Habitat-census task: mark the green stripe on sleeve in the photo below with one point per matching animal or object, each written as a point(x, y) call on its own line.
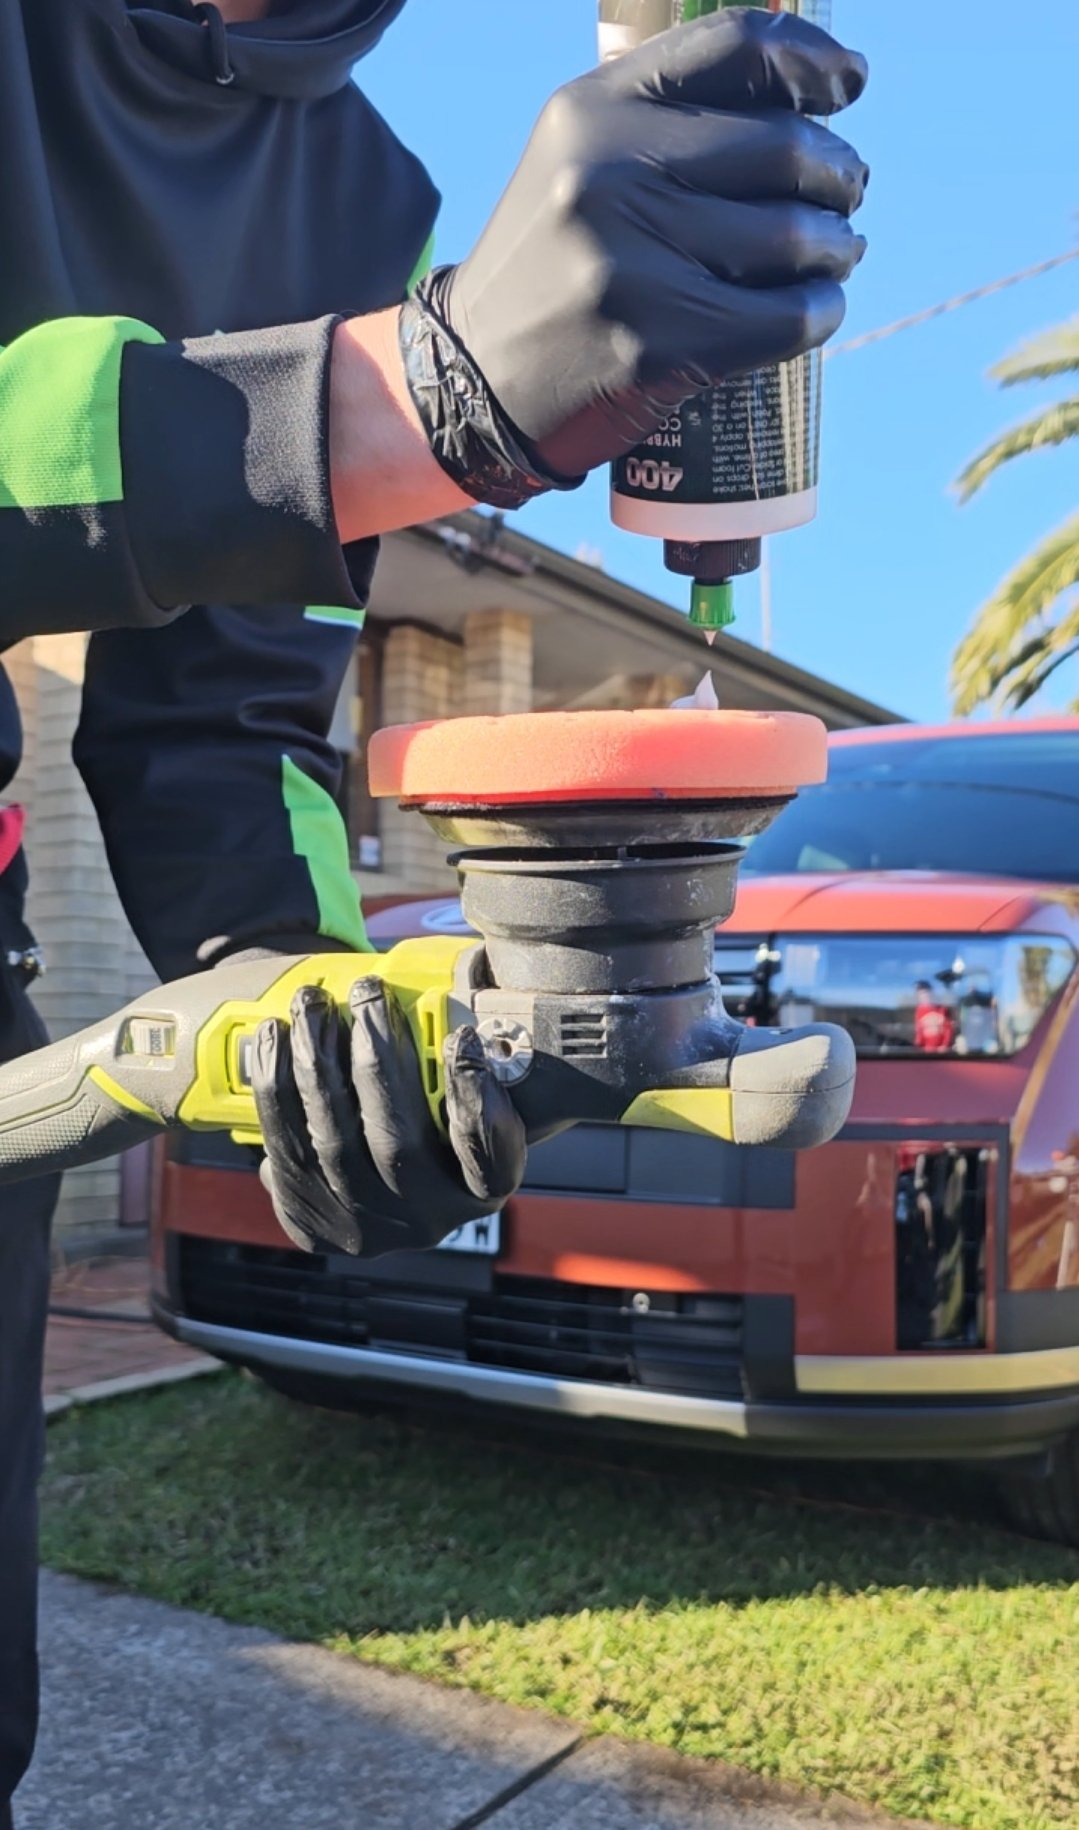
point(423, 265)
point(319, 837)
point(334, 613)
point(60, 413)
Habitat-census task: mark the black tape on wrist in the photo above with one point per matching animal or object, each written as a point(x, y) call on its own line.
point(470, 436)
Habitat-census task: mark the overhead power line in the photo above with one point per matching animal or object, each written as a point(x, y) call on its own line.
point(890, 330)
point(952, 304)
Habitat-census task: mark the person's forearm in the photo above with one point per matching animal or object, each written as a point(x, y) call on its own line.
point(248, 468)
point(383, 475)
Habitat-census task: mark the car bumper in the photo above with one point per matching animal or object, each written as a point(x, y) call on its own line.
point(977, 1428)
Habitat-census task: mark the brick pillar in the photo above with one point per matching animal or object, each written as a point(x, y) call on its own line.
point(420, 679)
point(497, 662)
point(662, 689)
point(635, 692)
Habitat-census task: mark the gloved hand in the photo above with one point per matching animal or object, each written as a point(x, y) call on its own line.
point(353, 1160)
point(675, 219)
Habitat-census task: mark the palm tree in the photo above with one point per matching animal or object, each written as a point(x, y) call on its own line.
point(1022, 633)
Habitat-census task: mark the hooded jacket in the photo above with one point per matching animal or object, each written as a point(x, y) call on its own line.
point(175, 191)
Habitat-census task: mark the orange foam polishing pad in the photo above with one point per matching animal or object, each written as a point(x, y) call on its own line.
point(588, 756)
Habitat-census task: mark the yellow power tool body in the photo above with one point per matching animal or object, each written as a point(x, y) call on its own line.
point(180, 1055)
point(586, 970)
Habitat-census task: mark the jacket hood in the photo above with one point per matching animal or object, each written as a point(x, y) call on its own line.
point(304, 50)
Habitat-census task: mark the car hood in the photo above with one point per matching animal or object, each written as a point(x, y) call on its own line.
point(914, 902)
point(413, 917)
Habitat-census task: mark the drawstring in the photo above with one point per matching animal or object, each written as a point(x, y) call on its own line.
point(223, 71)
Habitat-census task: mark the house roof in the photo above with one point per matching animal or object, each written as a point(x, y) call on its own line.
point(593, 635)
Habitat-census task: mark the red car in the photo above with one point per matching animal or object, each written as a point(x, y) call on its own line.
point(909, 1290)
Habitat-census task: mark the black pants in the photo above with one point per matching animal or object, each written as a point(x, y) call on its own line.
point(25, 1218)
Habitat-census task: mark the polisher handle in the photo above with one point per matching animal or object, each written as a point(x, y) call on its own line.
point(789, 1089)
point(180, 1055)
point(59, 1108)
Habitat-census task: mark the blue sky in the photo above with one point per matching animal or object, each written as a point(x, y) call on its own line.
point(968, 124)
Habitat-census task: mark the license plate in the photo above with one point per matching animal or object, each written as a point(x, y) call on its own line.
point(483, 1236)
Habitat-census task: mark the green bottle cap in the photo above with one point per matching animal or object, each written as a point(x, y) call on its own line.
point(711, 606)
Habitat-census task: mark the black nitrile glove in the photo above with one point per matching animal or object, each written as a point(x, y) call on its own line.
point(675, 219)
point(353, 1160)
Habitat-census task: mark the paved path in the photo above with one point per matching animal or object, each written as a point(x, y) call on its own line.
point(157, 1719)
point(114, 1347)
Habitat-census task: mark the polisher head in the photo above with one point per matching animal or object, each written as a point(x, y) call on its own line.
point(602, 778)
point(597, 852)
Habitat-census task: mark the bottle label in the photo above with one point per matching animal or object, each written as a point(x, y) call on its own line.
point(625, 23)
point(755, 437)
point(616, 39)
point(752, 438)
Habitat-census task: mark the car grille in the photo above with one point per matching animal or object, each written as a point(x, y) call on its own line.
point(654, 1339)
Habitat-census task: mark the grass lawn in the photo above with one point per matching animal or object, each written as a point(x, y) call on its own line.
point(894, 1650)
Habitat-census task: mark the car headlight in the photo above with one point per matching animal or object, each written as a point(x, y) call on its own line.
point(924, 994)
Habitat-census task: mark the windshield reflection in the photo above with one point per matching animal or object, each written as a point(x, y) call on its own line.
point(900, 994)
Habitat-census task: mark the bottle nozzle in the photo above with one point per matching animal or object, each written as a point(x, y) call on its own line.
point(711, 564)
point(711, 607)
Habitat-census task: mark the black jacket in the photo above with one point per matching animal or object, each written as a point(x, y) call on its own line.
point(171, 181)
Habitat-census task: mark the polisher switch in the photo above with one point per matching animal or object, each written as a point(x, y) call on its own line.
point(597, 853)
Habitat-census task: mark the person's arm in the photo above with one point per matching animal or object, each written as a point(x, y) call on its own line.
point(383, 472)
point(138, 476)
point(205, 751)
point(675, 219)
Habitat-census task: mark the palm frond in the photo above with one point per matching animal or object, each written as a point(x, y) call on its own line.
point(1057, 644)
point(1029, 689)
point(1051, 352)
point(1052, 426)
point(1001, 637)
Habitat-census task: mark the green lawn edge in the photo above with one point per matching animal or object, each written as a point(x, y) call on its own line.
point(834, 1629)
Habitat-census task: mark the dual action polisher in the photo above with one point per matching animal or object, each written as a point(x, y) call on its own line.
point(597, 853)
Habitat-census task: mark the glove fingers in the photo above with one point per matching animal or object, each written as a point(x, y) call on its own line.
point(487, 1135)
point(323, 1082)
point(289, 1165)
point(300, 1236)
point(746, 60)
point(755, 244)
point(760, 156)
point(277, 1102)
point(786, 321)
point(400, 1133)
point(718, 336)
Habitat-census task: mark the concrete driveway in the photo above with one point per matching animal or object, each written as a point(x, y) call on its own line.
point(157, 1719)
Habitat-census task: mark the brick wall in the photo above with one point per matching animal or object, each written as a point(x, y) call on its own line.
point(497, 663)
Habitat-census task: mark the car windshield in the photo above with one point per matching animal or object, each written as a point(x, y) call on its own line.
point(1000, 806)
